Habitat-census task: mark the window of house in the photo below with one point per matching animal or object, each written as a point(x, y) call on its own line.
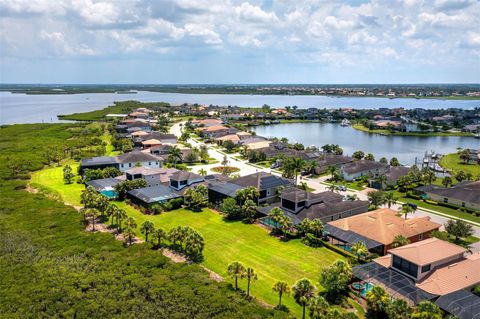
point(463, 204)
point(420, 237)
point(445, 200)
point(129, 164)
point(149, 163)
point(426, 268)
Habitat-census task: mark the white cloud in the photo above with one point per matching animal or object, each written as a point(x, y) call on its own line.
point(253, 13)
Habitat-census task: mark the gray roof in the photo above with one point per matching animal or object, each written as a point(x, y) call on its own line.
point(326, 209)
point(227, 189)
point(465, 192)
point(462, 304)
point(154, 194)
point(395, 172)
point(350, 237)
point(136, 156)
point(362, 166)
point(183, 175)
point(261, 181)
point(101, 184)
point(100, 160)
point(298, 195)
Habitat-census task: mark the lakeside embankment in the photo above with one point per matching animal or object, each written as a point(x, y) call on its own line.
point(362, 128)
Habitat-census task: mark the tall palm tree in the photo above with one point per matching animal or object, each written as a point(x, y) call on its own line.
point(399, 241)
point(303, 291)
point(332, 187)
point(175, 155)
point(121, 216)
point(130, 225)
point(447, 180)
point(297, 165)
point(146, 229)
point(276, 215)
point(250, 275)
point(236, 270)
point(94, 214)
point(318, 307)
point(332, 170)
point(281, 288)
point(158, 235)
point(407, 209)
point(359, 249)
point(377, 299)
point(311, 166)
point(202, 172)
point(111, 212)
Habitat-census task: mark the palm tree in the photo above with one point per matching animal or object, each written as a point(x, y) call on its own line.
point(111, 212)
point(158, 235)
point(332, 170)
point(282, 288)
point(359, 249)
point(121, 216)
point(447, 180)
point(276, 215)
point(390, 199)
point(427, 310)
point(236, 270)
point(311, 166)
point(202, 172)
point(318, 307)
point(303, 290)
point(399, 241)
point(175, 155)
point(407, 209)
point(94, 214)
point(332, 187)
point(147, 228)
point(382, 179)
point(286, 224)
point(130, 225)
point(377, 299)
point(250, 275)
point(317, 227)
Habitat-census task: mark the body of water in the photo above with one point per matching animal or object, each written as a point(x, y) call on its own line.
point(23, 108)
point(405, 148)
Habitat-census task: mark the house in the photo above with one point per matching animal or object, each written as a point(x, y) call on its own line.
point(151, 143)
point(324, 161)
point(153, 176)
point(217, 192)
point(267, 184)
point(234, 138)
point(105, 186)
point(326, 206)
point(206, 122)
point(182, 179)
point(378, 229)
point(162, 138)
point(356, 169)
point(99, 162)
point(392, 174)
point(465, 194)
point(431, 269)
point(137, 158)
point(149, 196)
point(472, 128)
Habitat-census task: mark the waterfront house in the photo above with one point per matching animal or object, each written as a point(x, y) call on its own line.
point(465, 194)
point(298, 204)
point(123, 162)
point(267, 184)
point(378, 229)
point(356, 169)
point(182, 179)
point(326, 160)
point(153, 176)
point(217, 192)
point(431, 269)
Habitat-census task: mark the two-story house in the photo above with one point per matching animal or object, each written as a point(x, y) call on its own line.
point(153, 176)
point(181, 179)
point(268, 185)
point(356, 169)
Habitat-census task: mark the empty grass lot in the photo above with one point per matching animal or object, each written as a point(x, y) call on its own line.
point(453, 163)
point(251, 245)
point(225, 242)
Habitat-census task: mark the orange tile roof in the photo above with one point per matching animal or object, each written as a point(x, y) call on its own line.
point(140, 133)
point(151, 142)
point(428, 251)
point(384, 224)
point(460, 275)
point(233, 137)
point(216, 128)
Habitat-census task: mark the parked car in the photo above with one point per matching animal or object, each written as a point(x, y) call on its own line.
point(342, 188)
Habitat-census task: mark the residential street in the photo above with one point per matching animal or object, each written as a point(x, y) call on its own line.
point(317, 184)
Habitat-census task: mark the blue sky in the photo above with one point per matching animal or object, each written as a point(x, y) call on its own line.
point(143, 41)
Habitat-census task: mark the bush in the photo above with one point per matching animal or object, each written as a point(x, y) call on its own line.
point(312, 241)
point(411, 195)
point(432, 202)
point(340, 251)
point(176, 203)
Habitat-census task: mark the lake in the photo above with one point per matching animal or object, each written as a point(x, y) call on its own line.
point(405, 148)
point(23, 108)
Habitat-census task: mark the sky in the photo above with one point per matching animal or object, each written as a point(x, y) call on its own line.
point(239, 42)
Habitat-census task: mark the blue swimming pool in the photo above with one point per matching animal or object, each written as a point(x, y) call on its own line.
point(110, 194)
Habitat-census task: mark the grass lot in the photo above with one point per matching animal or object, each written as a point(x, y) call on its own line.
point(252, 245)
point(452, 162)
point(226, 242)
point(50, 180)
point(362, 128)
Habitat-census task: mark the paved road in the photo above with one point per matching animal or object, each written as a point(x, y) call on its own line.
point(317, 184)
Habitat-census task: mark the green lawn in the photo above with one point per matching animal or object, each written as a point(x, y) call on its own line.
point(225, 242)
point(50, 180)
point(362, 128)
point(453, 163)
point(252, 245)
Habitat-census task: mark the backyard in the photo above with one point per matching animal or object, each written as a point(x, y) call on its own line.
point(452, 163)
point(225, 242)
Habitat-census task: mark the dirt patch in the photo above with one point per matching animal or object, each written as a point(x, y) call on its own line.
point(31, 189)
point(174, 256)
point(213, 275)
